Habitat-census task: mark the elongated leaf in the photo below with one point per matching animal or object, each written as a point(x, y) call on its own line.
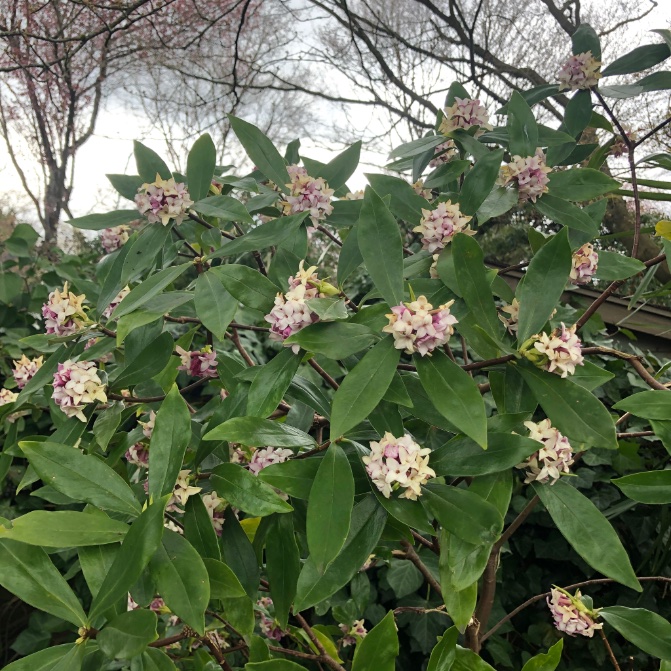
point(379, 649)
point(588, 531)
point(480, 181)
point(200, 166)
point(149, 163)
point(215, 307)
point(403, 200)
point(654, 404)
point(224, 585)
point(616, 266)
point(522, 127)
point(381, 247)
point(546, 661)
point(96, 562)
point(646, 630)
point(566, 214)
point(274, 665)
point(581, 184)
point(97, 222)
point(271, 383)
point(339, 169)
point(128, 634)
point(455, 395)
point(638, 59)
point(149, 362)
point(198, 529)
point(364, 386)
point(81, 477)
point(461, 604)
point(255, 432)
point(335, 340)
point(649, 487)
point(239, 555)
point(330, 507)
point(543, 284)
point(126, 185)
point(294, 477)
point(350, 255)
point(143, 251)
point(244, 490)
point(442, 656)
point(44, 660)
point(283, 565)
point(225, 208)
point(248, 286)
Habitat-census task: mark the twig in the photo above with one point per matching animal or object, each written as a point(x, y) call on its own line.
point(156, 399)
point(412, 556)
point(325, 376)
point(163, 642)
point(235, 338)
point(609, 650)
point(184, 240)
point(329, 661)
point(329, 235)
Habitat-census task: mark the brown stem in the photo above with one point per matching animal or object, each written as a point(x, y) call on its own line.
point(325, 376)
point(178, 233)
point(609, 650)
point(425, 542)
point(156, 399)
point(163, 642)
point(412, 556)
point(295, 653)
point(329, 235)
point(217, 653)
point(235, 338)
point(329, 661)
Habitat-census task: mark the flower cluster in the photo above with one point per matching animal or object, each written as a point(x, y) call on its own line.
point(267, 456)
point(163, 200)
point(25, 369)
point(443, 153)
point(138, 455)
point(439, 226)
point(76, 384)
point(115, 301)
point(571, 615)
point(181, 492)
point(114, 238)
point(352, 633)
point(148, 426)
point(584, 264)
point(529, 173)
point(215, 509)
point(7, 396)
point(398, 462)
point(512, 320)
point(157, 605)
point(418, 188)
point(199, 363)
point(559, 352)
point(354, 195)
point(465, 113)
point(64, 312)
point(579, 72)
point(417, 327)
point(551, 460)
point(307, 194)
point(269, 626)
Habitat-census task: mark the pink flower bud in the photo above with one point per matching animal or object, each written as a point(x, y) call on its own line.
point(440, 225)
point(570, 614)
point(163, 200)
point(465, 113)
point(584, 264)
point(579, 72)
point(76, 384)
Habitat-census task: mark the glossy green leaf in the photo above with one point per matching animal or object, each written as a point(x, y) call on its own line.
point(588, 531)
point(294, 477)
point(80, 476)
point(98, 222)
point(578, 114)
point(215, 307)
point(143, 251)
point(616, 266)
point(446, 173)
point(590, 376)
point(566, 214)
point(442, 656)
point(479, 181)
point(248, 286)
point(128, 634)
point(585, 39)
point(649, 487)
point(104, 427)
point(335, 340)
point(363, 388)
point(200, 165)
point(522, 127)
point(149, 163)
point(543, 284)
point(244, 490)
point(339, 169)
point(455, 395)
point(274, 665)
point(330, 507)
point(653, 404)
point(153, 659)
point(417, 147)
point(198, 529)
point(460, 563)
point(149, 362)
point(96, 561)
point(350, 255)
point(546, 661)
point(379, 649)
point(283, 565)
point(126, 185)
point(181, 579)
point(646, 630)
point(328, 309)
point(256, 432)
point(498, 202)
point(460, 605)
point(169, 440)
point(226, 208)
point(239, 555)
point(271, 383)
point(223, 582)
point(580, 184)
point(638, 59)
point(404, 201)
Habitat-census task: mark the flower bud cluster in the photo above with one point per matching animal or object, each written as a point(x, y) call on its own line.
point(199, 363)
point(215, 509)
point(418, 188)
point(529, 173)
point(181, 492)
point(114, 238)
point(354, 195)
point(559, 352)
point(512, 320)
point(266, 456)
point(584, 264)
point(417, 327)
point(307, 194)
point(439, 226)
point(443, 153)
point(64, 312)
point(551, 460)
point(352, 633)
point(107, 313)
point(25, 369)
point(465, 113)
point(163, 200)
point(7, 396)
point(269, 626)
point(138, 455)
point(579, 72)
point(148, 426)
point(76, 384)
point(571, 615)
point(395, 463)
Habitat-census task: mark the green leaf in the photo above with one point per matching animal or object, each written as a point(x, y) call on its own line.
point(587, 531)
point(149, 163)
point(403, 578)
point(566, 214)
point(143, 250)
point(328, 309)
point(239, 554)
point(11, 286)
point(543, 284)
point(463, 513)
point(443, 654)
point(616, 266)
point(105, 425)
point(585, 39)
point(498, 202)
point(226, 208)
point(649, 487)
point(274, 665)
point(522, 127)
point(248, 286)
point(200, 165)
point(479, 181)
point(654, 404)
point(181, 579)
point(335, 340)
point(294, 477)
point(363, 388)
point(198, 529)
point(330, 507)
point(96, 561)
point(142, 540)
point(474, 286)
point(638, 59)
point(97, 222)
point(261, 151)
point(44, 375)
point(379, 649)
point(126, 185)
point(44, 660)
point(64, 529)
point(381, 247)
point(223, 582)
point(244, 490)
point(546, 661)
point(460, 563)
point(128, 634)
point(446, 173)
point(153, 659)
point(590, 376)
point(283, 565)
point(404, 201)
point(460, 605)
point(271, 383)
point(339, 169)
point(169, 440)
point(455, 395)
point(255, 432)
point(577, 413)
point(581, 184)
point(350, 255)
point(578, 113)
point(149, 362)
point(215, 307)
point(81, 477)
point(646, 630)
point(27, 572)
point(417, 147)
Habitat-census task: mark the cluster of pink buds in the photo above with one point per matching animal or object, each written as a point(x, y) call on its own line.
point(465, 113)
point(157, 605)
point(76, 384)
point(530, 173)
point(352, 634)
point(7, 396)
point(443, 153)
point(559, 352)
point(199, 363)
point(64, 312)
point(584, 264)
point(107, 313)
point(163, 200)
point(418, 327)
point(579, 72)
point(551, 460)
point(440, 225)
point(148, 426)
point(269, 626)
point(571, 615)
point(354, 195)
point(215, 509)
point(512, 319)
point(395, 463)
point(114, 238)
point(418, 188)
point(307, 194)
point(268, 455)
point(25, 369)
point(181, 492)
point(138, 455)
point(620, 146)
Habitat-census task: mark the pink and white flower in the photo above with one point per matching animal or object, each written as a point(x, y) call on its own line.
point(560, 351)
point(530, 173)
point(199, 363)
point(138, 455)
point(579, 72)
point(307, 194)
point(163, 200)
point(584, 264)
point(107, 313)
point(465, 113)
point(513, 318)
point(352, 633)
point(148, 426)
point(114, 238)
point(266, 456)
point(571, 615)
point(181, 491)
point(7, 396)
point(443, 153)
point(440, 225)
point(215, 509)
point(25, 369)
point(64, 312)
point(395, 463)
point(354, 195)
point(269, 626)
point(551, 460)
point(76, 385)
point(418, 188)
point(417, 327)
